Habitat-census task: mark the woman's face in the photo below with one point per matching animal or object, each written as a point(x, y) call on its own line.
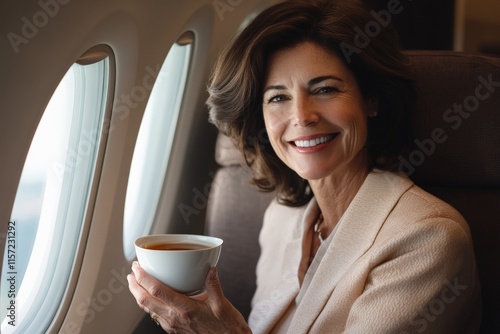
point(314, 112)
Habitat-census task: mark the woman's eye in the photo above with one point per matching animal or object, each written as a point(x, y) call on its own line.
point(276, 98)
point(326, 90)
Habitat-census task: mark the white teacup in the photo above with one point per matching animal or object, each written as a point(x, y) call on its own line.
point(181, 261)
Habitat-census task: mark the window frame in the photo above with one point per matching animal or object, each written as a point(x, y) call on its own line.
point(92, 55)
point(133, 194)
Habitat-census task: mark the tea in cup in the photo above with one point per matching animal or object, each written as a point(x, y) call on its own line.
point(181, 261)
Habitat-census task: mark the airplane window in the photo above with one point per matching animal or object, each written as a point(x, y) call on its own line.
point(52, 200)
point(154, 142)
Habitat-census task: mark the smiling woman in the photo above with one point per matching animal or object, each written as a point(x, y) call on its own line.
point(106, 135)
point(316, 122)
point(382, 76)
point(345, 247)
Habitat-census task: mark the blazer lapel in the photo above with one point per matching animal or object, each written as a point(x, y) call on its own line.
point(267, 313)
point(354, 236)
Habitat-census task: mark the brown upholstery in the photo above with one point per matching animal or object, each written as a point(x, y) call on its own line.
point(456, 157)
point(235, 213)
point(464, 169)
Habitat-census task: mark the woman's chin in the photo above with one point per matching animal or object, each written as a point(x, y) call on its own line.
point(312, 175)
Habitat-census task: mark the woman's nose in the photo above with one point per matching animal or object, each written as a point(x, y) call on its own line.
point(304, 113)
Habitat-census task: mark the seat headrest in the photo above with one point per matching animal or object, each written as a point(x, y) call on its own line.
point(457, 121)
point(226, 153)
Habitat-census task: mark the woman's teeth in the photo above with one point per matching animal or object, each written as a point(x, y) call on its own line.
point(312, 142)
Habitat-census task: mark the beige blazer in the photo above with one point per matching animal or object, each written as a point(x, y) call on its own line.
point(401, 261)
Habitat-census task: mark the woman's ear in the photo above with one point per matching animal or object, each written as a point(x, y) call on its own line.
point(372, 107)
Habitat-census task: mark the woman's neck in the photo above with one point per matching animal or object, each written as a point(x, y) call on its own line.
point(335, 193)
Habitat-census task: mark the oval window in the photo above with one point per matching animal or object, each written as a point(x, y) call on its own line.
point(53, 200)
point(154, 143)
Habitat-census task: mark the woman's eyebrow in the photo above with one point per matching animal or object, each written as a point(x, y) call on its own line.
point(311, 82)
point(317, 80)
point(277, 87)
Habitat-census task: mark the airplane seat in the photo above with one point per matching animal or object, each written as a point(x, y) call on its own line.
point(457, 152)
point(235, 213)
point(456, 157)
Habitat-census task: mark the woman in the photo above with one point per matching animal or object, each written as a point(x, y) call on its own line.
point(349, 245)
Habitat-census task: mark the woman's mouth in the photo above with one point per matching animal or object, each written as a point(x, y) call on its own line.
point(314, 142)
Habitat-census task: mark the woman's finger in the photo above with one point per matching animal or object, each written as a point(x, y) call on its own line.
point(214, 290)
point(176, 311)
point(162, 294)
point(155, 288)
point(156, 309)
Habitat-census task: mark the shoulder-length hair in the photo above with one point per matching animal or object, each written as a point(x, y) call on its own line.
point(369, 47)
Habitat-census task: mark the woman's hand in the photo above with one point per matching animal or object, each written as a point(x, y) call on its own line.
point(177, 313)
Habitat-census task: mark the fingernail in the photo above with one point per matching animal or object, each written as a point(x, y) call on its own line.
point(213, 273)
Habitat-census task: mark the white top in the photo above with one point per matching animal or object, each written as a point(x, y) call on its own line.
point(284, 323)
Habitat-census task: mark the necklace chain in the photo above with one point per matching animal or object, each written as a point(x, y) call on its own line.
point(317, 227)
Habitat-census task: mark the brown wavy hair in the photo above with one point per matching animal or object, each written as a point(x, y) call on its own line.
point(381, 70)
